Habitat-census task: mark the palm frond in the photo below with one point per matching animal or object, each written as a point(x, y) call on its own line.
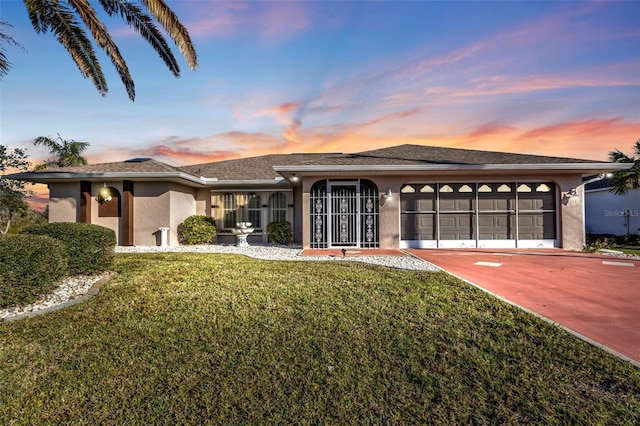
point(66, 152)
point(48, 143)
point(618, 156)
point(143, 24)
point(5, 65)
point(55, 16)
point(170, 22)
point(104, 40)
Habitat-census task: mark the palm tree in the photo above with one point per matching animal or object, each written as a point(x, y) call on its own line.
point(626, 180)
point(69, 20)
point(66, 153)
point(5, 65)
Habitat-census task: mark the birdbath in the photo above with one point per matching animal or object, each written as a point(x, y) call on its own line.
point(242, 231)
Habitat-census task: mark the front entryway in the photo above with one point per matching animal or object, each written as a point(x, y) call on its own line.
point(344, 214)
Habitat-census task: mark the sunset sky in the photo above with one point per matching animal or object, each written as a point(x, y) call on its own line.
point(550, 78)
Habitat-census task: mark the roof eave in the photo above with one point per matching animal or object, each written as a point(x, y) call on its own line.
point(567, 167)
point(66, 176)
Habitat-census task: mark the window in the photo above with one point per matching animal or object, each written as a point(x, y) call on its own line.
point(229, 206)
point(278, 207)
point(254, 210)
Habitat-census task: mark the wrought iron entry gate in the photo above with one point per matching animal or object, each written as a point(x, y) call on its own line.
point(344, 214)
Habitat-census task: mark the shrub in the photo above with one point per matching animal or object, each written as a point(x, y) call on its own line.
point(197, 229)
point(91, 247)
point(30, 266)
point(280, 233)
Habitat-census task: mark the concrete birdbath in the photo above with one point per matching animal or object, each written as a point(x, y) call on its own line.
point(242, 231)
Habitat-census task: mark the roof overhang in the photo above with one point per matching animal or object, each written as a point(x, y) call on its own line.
point(177, 177)
point(55, 177)
point(584, 169)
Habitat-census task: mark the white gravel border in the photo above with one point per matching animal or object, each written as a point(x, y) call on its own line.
point(278, 252)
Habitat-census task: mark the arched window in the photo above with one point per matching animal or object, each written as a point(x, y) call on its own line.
point(229, 206)
point(254, 210)
point(278, 207)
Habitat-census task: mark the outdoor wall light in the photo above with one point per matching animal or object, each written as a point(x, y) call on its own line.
point(571, 193)
point(104, 194)
point(388, 194)
point(294, 178)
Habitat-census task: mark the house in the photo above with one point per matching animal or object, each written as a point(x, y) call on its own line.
point(396, 197)
point(609, 213)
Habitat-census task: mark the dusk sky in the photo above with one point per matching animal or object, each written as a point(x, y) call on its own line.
point(550, 78)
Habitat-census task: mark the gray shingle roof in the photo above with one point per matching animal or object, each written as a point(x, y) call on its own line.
point(251, 168)
point(422, 155)
point(149, 166)
point(262, 167)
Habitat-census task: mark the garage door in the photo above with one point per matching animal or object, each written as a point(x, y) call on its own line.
point(478, 214)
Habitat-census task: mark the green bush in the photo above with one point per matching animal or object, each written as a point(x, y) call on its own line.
point(30, 266)
point(91, 247)
point(280, 233)
point(197, 229)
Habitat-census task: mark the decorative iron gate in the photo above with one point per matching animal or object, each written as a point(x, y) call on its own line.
point(344, 214)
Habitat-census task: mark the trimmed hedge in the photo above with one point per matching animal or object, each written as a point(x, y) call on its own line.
point(280, 233)
point(197, 229)
point(30, 266)
point(91, 247)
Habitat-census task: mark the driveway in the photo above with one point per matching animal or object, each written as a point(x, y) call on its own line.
point(594, 296)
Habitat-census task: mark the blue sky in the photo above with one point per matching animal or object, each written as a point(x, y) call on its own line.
point(550, 78)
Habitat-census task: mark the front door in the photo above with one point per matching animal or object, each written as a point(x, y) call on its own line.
point(344, 214)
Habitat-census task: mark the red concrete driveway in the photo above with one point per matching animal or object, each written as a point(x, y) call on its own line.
point(597, 297)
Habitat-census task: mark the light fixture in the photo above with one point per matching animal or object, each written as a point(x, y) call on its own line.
point(571, 193)
point(294, 178)
point(104, 194)
point(388, 194)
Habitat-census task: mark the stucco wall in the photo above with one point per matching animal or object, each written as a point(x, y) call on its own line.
point(571, 232)
point(607, 213)
point(64, 200)
point(151, 210)
point(183, 205)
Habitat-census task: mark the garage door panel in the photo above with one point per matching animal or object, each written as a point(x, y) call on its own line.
point(416, 226)
point(496, 226)
point(456, 226)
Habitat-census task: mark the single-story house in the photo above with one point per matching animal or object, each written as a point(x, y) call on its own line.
point(609, 213)
point(396, 197)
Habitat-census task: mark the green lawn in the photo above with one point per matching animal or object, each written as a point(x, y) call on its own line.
point(628, 249)
point(185, 338)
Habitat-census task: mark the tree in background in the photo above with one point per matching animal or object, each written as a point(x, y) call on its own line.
point(70, 20)
point(12, 192)
point(626, 180)
point(65, 153)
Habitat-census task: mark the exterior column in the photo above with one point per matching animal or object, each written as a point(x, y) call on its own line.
point(127, 213)
point(85, 202)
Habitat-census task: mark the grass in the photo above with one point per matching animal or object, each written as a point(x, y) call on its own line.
point(629, 244)
point(628, 249)
point(189, 338)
